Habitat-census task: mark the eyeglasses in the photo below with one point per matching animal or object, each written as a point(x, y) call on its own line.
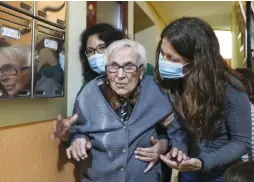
point(12, 70)
point(100, 49)
point(130, 68)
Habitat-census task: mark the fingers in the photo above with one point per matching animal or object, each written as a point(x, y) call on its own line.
point(180, 156)
point(74, 151)
point(73, 119)
point(146, 154)
point(68, 152)
point(78, 149)
point(83, 149)
point(169, 163)
point(149, 167)
point(89, 145)
point(168, 155)
point(185, 157)
point(174, 152)
point(146, 159)
point(62, 125)
point(146, 150)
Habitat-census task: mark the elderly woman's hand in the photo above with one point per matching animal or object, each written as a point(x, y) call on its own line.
point(61, 127)
point(78, 149)
point(152, 154)
point(186, 165)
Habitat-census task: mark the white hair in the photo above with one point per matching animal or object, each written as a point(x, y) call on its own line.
point(120, 44)
point(20, 53)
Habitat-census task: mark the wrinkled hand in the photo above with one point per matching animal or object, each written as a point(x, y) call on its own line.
point(185, 165)
point(177, 155)
point(151, 154)
point(78, 149)
point(61, 126)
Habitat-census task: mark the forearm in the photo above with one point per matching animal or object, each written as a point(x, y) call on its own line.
point(178, 136)
point(222, 157)
point(237, 120)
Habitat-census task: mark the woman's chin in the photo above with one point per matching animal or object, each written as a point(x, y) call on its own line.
point(122, 93)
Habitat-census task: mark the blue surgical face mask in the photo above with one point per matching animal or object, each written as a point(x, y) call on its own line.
point(62, 60)
point(97, 63)
point(169, 69)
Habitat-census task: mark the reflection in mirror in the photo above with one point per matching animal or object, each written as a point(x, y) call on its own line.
point(49, 61)
point(15, 69)
point(15, 54)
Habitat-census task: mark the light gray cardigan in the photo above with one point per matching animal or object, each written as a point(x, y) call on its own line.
point(112, 157)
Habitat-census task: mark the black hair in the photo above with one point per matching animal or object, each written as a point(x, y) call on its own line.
point(242, 172)
point(106, 33)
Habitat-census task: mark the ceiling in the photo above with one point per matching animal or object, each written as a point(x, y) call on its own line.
point(216, 13)
point(141, 20)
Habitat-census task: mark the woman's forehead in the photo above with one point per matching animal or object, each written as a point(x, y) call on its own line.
point(124, 55)
point(8, 59)
point(94, 41)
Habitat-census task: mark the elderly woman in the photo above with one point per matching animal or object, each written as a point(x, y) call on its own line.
point(15, 69)
point(118, 113)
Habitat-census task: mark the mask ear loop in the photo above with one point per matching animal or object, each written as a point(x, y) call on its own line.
point(189, 70)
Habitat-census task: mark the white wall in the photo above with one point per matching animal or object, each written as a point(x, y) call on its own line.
point(147, 38)
point(76, 24)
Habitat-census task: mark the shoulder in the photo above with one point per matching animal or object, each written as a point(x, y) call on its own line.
point(234, 87)
point(89, 87)
point(151, 87)
point(235, 93)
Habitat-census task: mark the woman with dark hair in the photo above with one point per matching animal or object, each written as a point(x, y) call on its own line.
point(94, 42)
point(207, 96)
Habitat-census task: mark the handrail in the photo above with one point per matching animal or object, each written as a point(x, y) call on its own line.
point(242, 11)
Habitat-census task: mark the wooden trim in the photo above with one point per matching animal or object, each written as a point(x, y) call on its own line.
point(91, 15)
point(124, 16)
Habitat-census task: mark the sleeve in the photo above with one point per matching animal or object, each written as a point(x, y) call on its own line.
point(77, 130)
point(68, 143)
point(237, 115)
point(177, 135)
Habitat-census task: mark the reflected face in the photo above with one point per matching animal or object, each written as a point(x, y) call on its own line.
point(121, 82)
point(12, 76)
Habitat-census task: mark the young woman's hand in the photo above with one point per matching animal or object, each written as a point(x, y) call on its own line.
point(178, 160)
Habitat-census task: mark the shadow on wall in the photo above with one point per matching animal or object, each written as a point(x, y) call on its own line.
point(63, 160)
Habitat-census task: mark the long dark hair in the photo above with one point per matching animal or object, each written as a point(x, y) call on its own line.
point(247, 78)
point(200, 99)
point(106, 33)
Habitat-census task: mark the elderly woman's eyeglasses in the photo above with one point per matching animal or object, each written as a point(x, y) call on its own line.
point(130, 68)
point(12, 70)
point(100, 49)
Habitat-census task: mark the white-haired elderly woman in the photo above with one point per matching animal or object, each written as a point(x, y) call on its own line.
point(15, 69)
point(118, 114)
